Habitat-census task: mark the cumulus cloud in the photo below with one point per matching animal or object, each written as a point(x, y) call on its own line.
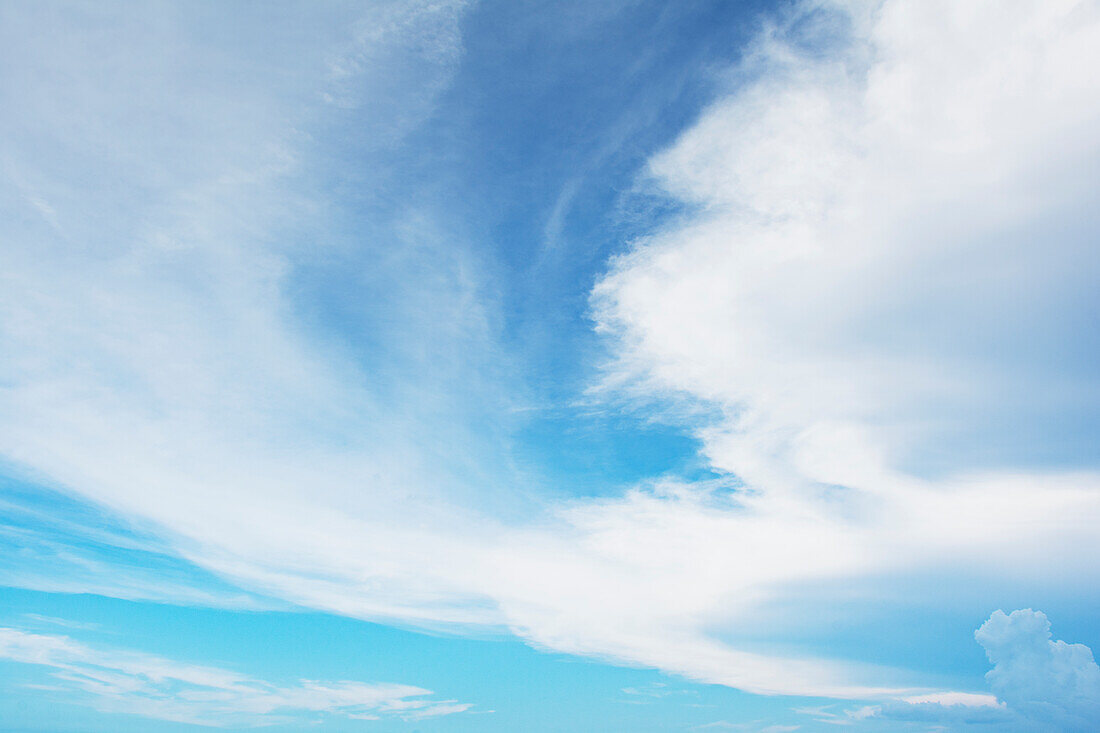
point(1050, 683)
point(884, 250)
point(1039, 684)
point(124, 681)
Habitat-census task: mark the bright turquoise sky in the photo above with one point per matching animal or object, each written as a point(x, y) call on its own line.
point(571, 366)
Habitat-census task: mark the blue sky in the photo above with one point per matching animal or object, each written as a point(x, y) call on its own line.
point(487, 366)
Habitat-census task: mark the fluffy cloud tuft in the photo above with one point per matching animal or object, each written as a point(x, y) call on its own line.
point(1051, 683)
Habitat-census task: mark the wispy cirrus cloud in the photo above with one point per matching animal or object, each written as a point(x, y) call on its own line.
point(123, 681)
point(748, 727)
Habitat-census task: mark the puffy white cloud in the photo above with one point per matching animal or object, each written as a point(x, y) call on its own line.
point(888, 248)
point(1050, 683)
point(1038, 684)
point(119, 680)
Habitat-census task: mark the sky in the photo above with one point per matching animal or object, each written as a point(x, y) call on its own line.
point(496, 365)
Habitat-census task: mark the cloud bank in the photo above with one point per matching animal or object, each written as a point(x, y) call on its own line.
point(888, 245)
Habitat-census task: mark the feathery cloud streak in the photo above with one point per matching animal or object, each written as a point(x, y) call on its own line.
point(123, 681)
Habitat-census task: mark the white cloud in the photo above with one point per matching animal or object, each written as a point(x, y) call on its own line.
point(36, 618)
point(1039, 684)
point(118, 680)
point(885, 261)
point(878, 247)
point(965, 699)
point(961, 708)
point(955, 716)
point(756, 727)
point(152, 361)
point(860, 276)
point(1050, 683)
